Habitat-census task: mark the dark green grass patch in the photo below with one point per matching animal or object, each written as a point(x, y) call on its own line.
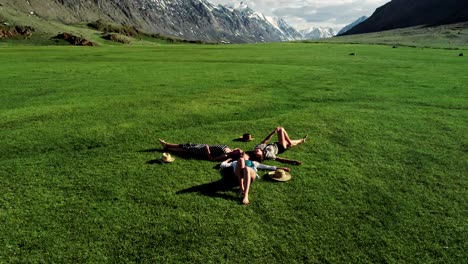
point(383, 178)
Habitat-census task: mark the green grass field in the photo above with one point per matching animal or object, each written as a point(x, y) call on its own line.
point(383, 180)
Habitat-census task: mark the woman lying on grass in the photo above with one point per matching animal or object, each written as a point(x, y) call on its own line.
point(203, 151)
point(269, 151)
point(246, 171)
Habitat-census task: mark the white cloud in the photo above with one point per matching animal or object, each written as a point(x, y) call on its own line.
point(307, 13)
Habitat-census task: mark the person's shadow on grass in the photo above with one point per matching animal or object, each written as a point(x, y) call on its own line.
point(222, 188)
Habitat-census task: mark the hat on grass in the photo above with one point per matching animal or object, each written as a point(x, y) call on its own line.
point(246, 137)
point(166, 157)
point(280, 175)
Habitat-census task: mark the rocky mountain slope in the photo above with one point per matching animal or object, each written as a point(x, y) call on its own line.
point(185, 19)
point(407, 13)
point(351, 25)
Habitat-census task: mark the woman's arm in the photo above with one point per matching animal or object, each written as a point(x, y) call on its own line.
point(289, 161)
point(270, 168)
point(269, 137)
point(219, 158)
point(261, 166)
point(226, 164)
point(208, 152)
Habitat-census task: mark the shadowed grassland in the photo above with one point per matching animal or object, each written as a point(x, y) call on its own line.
point(383, 178)
point(451, 36)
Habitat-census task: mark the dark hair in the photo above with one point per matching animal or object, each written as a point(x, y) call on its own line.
point(253, 157)
point(234, 155)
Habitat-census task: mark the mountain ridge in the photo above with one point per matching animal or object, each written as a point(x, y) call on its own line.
point(408, 13)
point(352, 25)
point(187, 19)
point(314, 33)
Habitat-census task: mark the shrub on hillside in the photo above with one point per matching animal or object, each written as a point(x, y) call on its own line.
point(107, 27)
point(116, 38)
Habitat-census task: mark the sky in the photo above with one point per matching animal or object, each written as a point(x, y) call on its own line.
point(303, 14)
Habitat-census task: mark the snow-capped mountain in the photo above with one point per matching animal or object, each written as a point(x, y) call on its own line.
point(318, 33)
point(186, 19)
point(237, 6)
point(351, 25)
point(288, 31)
point(283, 29)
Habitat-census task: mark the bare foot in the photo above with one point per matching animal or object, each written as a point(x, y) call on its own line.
point(304, 138)
point(246, 200)
point(163, 143)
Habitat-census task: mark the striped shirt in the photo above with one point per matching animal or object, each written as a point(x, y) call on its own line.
point(199, 150)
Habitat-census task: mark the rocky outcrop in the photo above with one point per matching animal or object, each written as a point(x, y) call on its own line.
point(7, 31)
point(74, 40)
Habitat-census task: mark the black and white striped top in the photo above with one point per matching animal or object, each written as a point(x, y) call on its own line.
point(199, 150)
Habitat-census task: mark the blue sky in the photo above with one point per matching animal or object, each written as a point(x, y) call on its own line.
point(308, 13)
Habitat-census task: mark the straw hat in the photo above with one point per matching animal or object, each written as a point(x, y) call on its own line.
point(246, 137)
point(280, 175)
point(167, 158)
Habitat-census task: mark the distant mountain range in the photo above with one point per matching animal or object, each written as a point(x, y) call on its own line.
point(318, 33)
point(185, 19)
point(202, 20)
point(408, 13)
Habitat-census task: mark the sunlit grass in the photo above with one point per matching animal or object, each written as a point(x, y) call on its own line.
point(383, 176)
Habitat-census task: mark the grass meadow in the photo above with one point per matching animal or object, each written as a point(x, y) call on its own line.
point(383, 179)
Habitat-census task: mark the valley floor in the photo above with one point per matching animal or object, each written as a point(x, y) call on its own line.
point(383, 177)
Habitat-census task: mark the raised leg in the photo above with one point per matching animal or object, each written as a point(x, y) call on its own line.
point(285, 140)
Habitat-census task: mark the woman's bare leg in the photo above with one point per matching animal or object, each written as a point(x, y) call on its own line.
point(249, 178)
point(171, 147)
point(285, 140)
point(241, 172)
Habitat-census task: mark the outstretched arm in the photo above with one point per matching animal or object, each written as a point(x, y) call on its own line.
point(226, 164)
point(269, 136)
point(233, 154)
point(219, 158)
point(288, 161)
point(261, 166)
